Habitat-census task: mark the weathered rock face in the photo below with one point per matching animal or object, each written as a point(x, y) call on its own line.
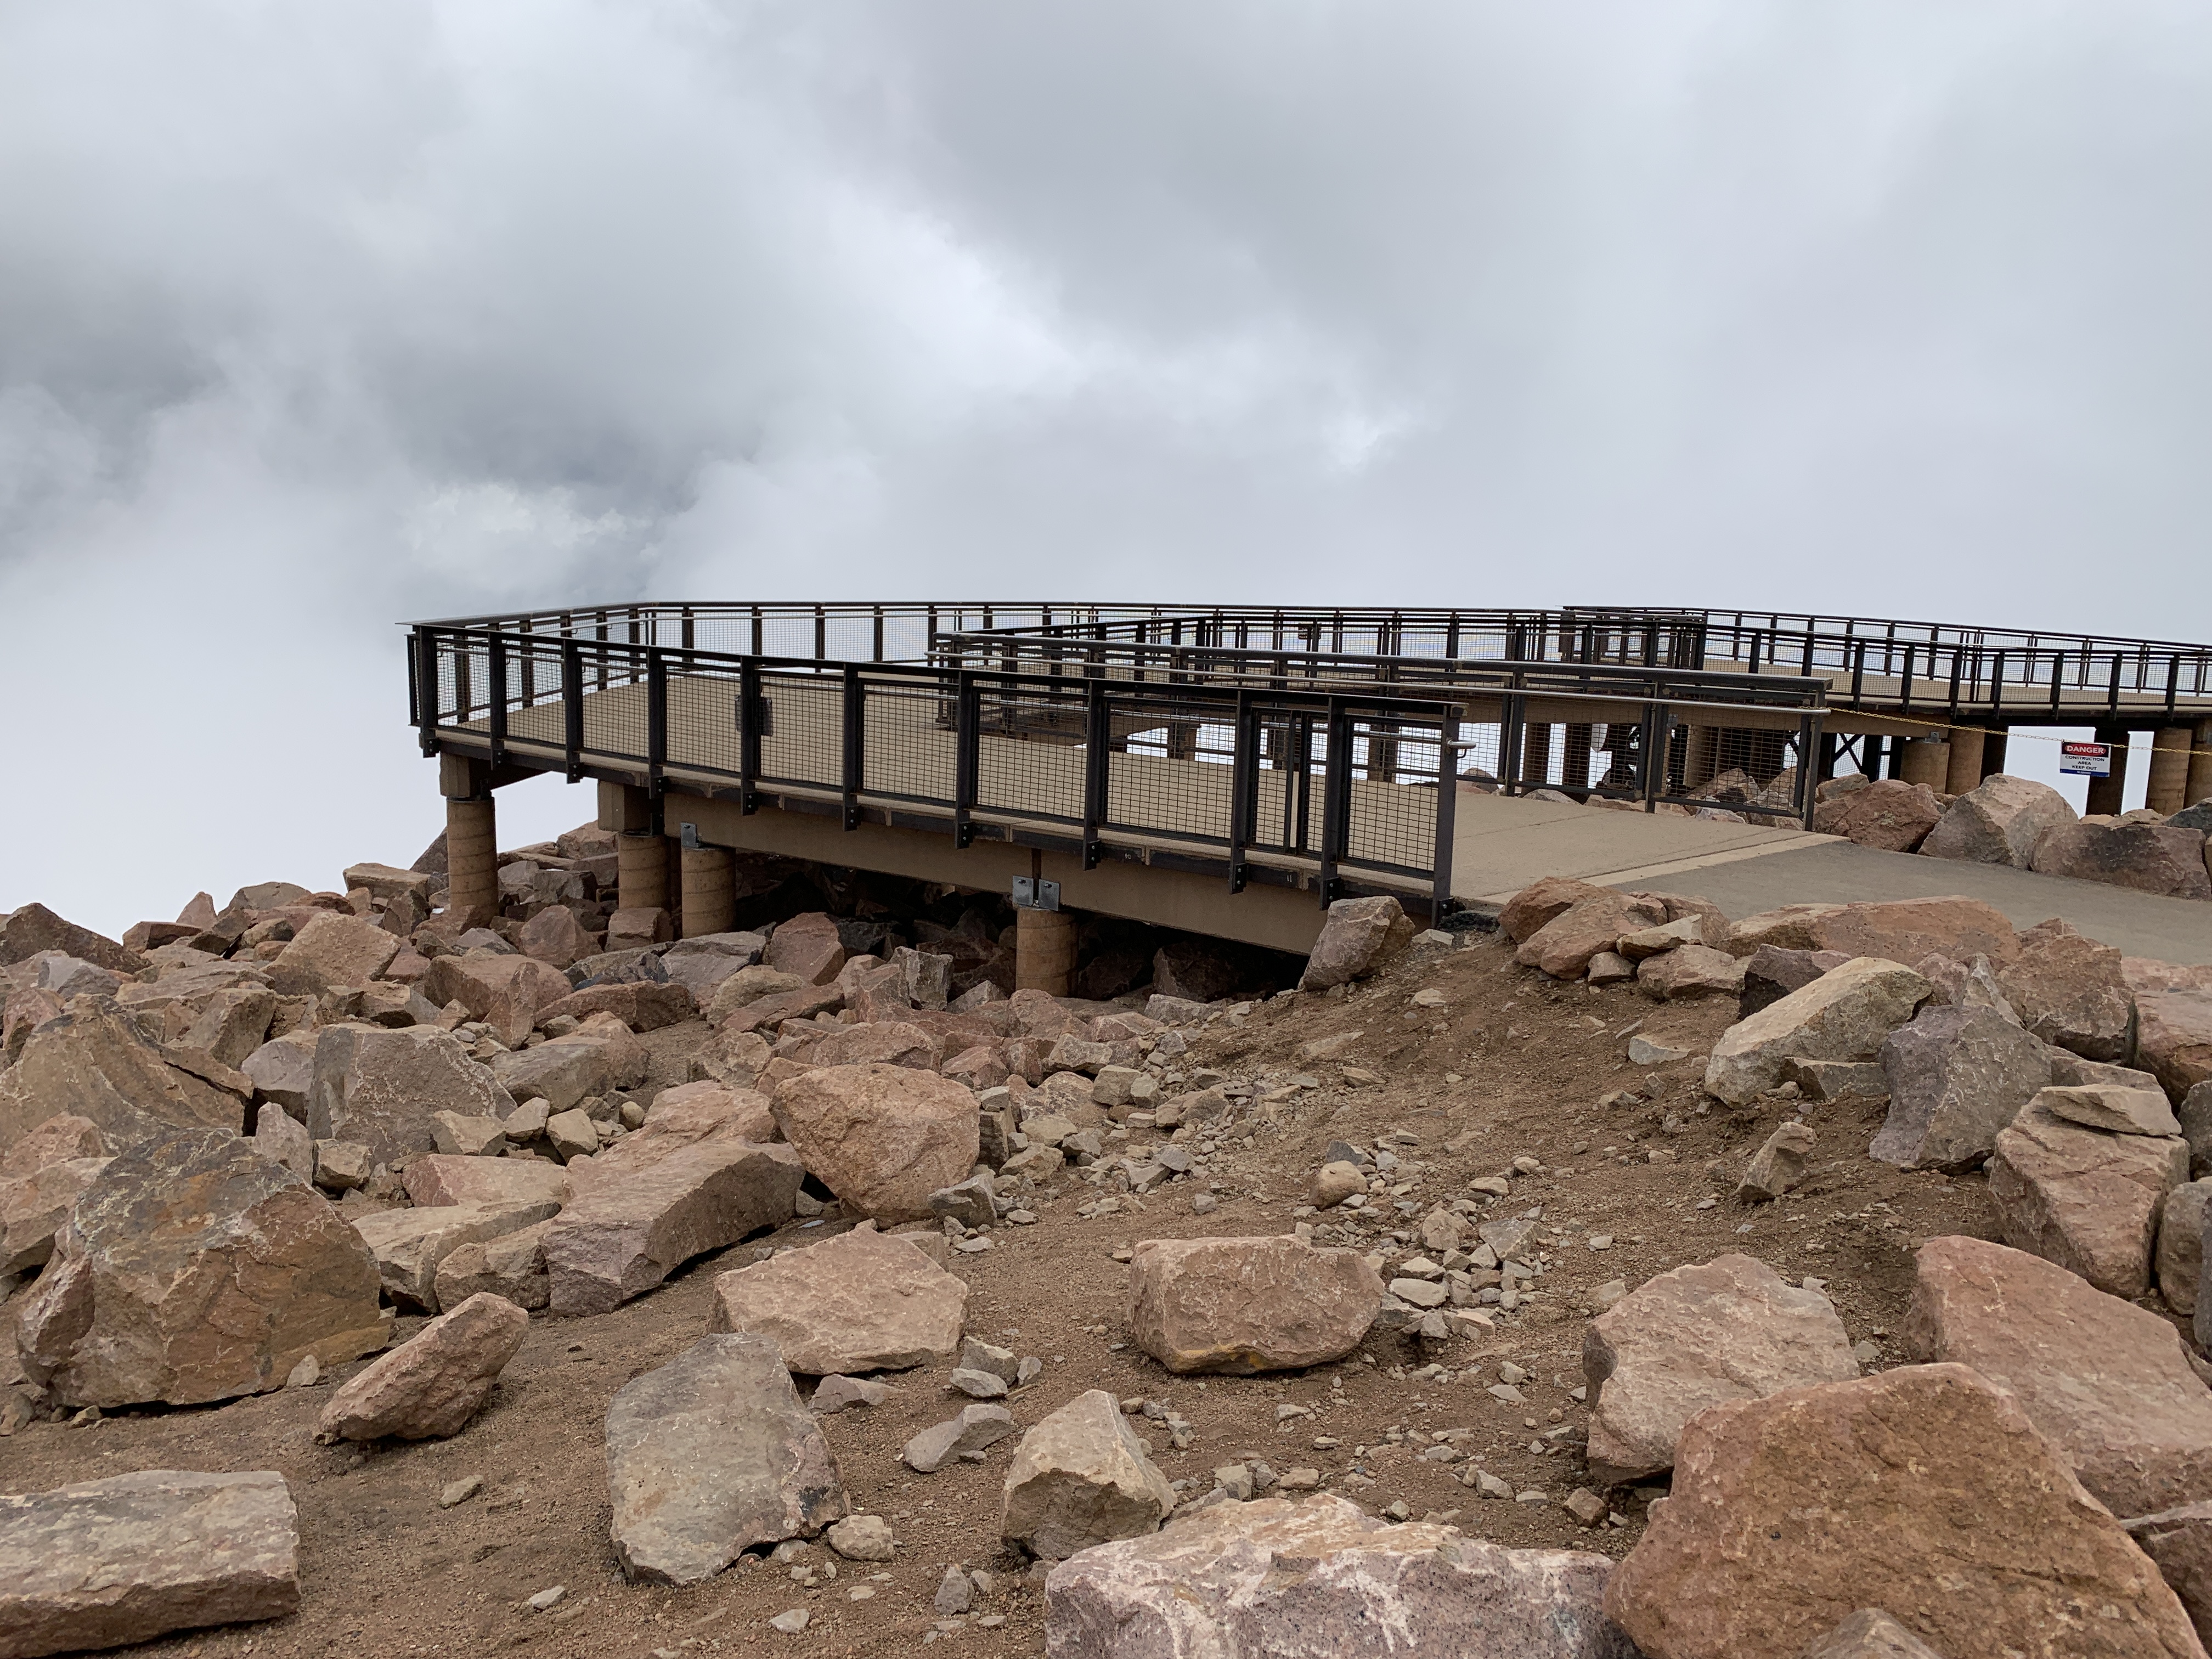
point(1540, 901)
point(1787, 1515)
point(1871, 1633)
point(641, 1004)
point(1778, 1166)
point(1957, 1076)
point(1788, 927)
point(2173, 1038)
point(976, 1427)
point(628, 1230)
point(1689, 972)
point(746, 986)
point(1246, 1305)
point(2069, 991)
point(1998, 823)
point(1889, 813)
point(431, 1385)
point(511, 1266)
point(26, 933)
point(1079, 1479)
point(806, 946)
point(330, 951)
point(886, 1042)
point(1357, 936)
point(1905, 930)
point(2180, 1541)
point(55, 1141)
point(122, 1560)
point(1564, 947)
point(2108, 1384)
point(378, 1088)
point(2084, 1199)
point(96, 1062)
point(2179, 1262)
point(860, 1302)
point(2112, 1107)
point(283, 1070)
point(410, 1245)
point(2151, 858)
point(712, 1454)
point(1843, 1015)
point(555, 937)
point(192, 1271)
point(33, 1206)
point(882, 1138)
point(1321, 1579)
point(1771, 972)
point(442, 1178)
point(231, 1024)
point(1728, 1329)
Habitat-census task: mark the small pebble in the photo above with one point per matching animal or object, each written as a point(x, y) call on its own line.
point(790, 1623)
point(460, 1491)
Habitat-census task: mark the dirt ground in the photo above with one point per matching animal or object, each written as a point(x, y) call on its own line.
point(1512, 1066)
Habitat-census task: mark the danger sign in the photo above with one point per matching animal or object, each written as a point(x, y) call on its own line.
point(2086, 760)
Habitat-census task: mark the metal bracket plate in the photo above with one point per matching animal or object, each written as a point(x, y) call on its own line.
point(1035, 893)
point(691, 835)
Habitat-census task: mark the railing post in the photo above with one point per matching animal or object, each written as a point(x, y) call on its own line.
point(656, 720)
point(967, 748)
point(422, 686)
point(1336, 798)
point(1658, 724)
point(1244, 785)
point(572, 706)
point(749, 736)
point(1510, 732)
point(1446, 810)
point(495, 676)
point(1097, 737)
point(1809, 770)
point(855, 707)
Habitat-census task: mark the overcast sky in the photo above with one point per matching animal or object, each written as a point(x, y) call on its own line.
point(315, 318)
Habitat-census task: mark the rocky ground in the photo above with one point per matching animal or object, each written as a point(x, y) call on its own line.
point(1514, 1149)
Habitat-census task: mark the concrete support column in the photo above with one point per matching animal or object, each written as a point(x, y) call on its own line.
point(1044, 950)
point(473, 859)
point(1993, 752)
point(2200, 765)
point(1701, 744)
point(642, 871)
point(2106, 793)
point(1577, 771)
point(710, 902)
point(1965, 765)
point(1927, 760)
point(2167, 788)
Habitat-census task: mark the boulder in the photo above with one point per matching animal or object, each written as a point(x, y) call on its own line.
point(1200, 969)
point(1889, 814)
point(633, 929)
point(555, 937)
point(2084, 1199)
point(333, 949)
point(33, 1206)
point(233, 1024)
point(341, 1165)
point(55, 1141)
point(1871, 1633)
point(1565, 946)
point(2177, 1263)
point(1788, 927)
point(467, 1137)
point(882, 1138)
point(641, 1004)
point(627, 1230)
point(710, 1454)
point(2108, 1384)
point(1322, 1579)
point(1726, 1330)
point(2180, 1541)
point(1778, 1166)
point(1957, 1076)
point(96, 1062)
point(283, 1070)
point(2195, 1116)
point(1246, 1305)
point(889, 1042)
point(1843, 1015)
point(113, 1562)
point(385, 884)
point(568, 1069)
point(833, 1394)
point(863, 1301)
point(1358, 935)
point(196, 1270)
point(432, 1384)
point(700, 963)
point(808, 946)
point(2173, 1038)
point(27, 932)
point(379, 1088)
point(1905, 930)
point(442, 1178)
point(2113, 1108)
point(975, 1428)
point(1788, 1514)
point(2068, 990)
point(768, 1013)
point(1540, 902)
point(2150, 858)
point(409, 1245)
point(746, 986)
point(1080, 1478)
point(1773, 971)
point(1691, 971)
point(1998, 821)
point(489, 983)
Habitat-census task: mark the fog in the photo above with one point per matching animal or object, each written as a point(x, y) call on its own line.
point(315, 319)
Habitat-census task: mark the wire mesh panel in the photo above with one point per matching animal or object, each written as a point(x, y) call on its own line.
point(615, 721)
point(1031, 749)
point(1170, 771)
point(909, 749)
point(536, 710)
point(802, 730)
point(1391, 821)
point(704, 734)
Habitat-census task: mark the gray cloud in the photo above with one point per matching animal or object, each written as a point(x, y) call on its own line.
point(314, 319)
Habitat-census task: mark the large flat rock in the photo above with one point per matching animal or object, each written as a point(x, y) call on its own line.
point(411, 1244)
point(860, 1302)
point(429, 1386)
point(96, 1062)
point(1845, 1014)
point(379, 1088)
point(882, 1138)
point(2085, 1199)
point(113, 1562)
point(1322, 1579)
point(710, 1454)
point(1244, 1305)
point(1080, 1478)
point(1958, 1076)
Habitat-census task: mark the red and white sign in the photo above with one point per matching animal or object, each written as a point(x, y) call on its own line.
point(2086, 760)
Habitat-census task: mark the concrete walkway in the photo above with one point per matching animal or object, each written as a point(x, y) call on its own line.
point(1503, 844)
